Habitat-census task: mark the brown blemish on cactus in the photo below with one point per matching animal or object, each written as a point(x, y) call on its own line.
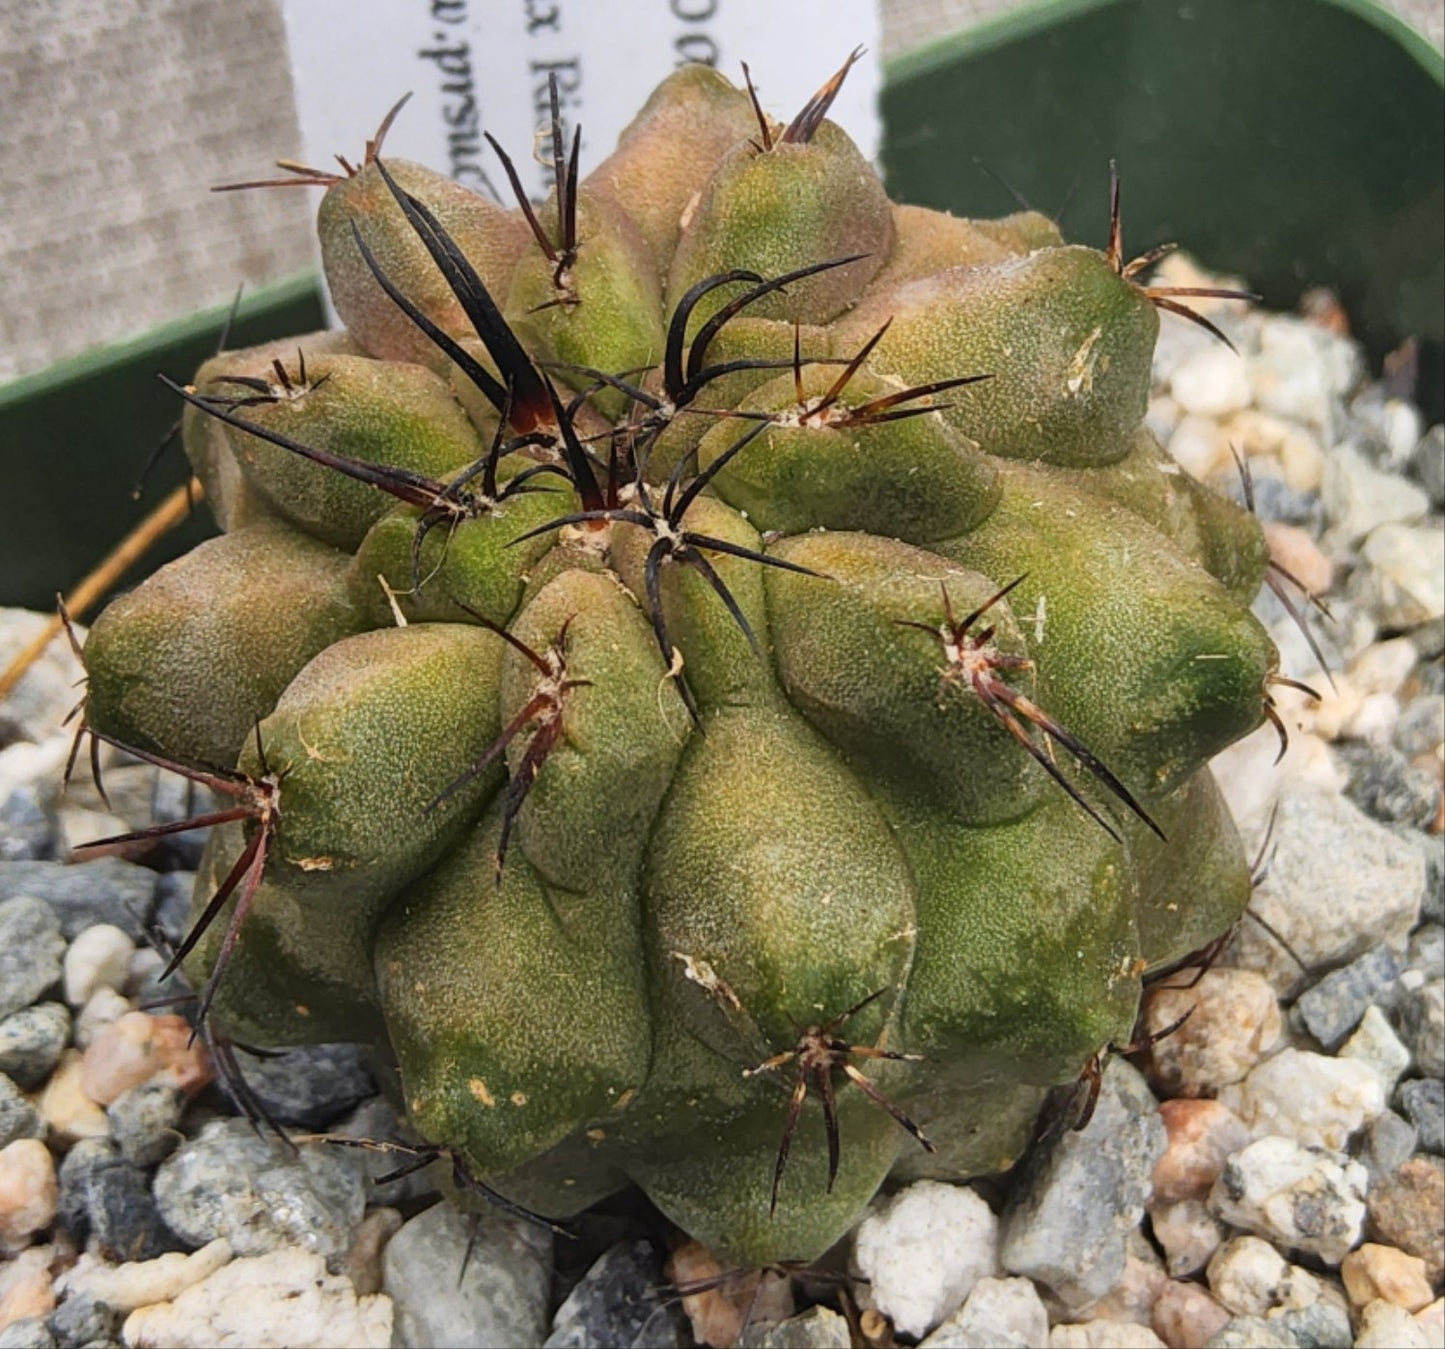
point(1163, 297)
point(973, 662)
point(479, 1092)
point(817, 1053)
point(258, 800)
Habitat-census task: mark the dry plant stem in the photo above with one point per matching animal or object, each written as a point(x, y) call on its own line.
point(94, 587)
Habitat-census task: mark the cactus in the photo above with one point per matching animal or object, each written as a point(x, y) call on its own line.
point(710, 675)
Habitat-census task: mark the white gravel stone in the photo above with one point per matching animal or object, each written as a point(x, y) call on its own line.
point(1251, 1278)
point(1252, 777)
point(1199, 446)
point(77, 825)
point(1104, 1335)
point(1316, 1100)
point(104, 1008)
point(1233, 1022)
point(24, 763)
point(1302, 370)
point(998, 1314)
point(1189, 1234)
point(28, 1192)
point(37, 705)
point(924, 1250)
point(139, 1283)
point(1406, 576)
point(1376, 1045)
point(1307, 1198)
point(1359, 498)
point(282, 1300)
point(1383, 1325)
point(98, 958)
point(1212, 383)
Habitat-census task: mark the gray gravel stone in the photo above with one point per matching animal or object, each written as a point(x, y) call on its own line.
point(501, 1297)
point(1322, 1325)
point(172, 912)
point(1339, 885)
point(1432, 848)
point(1387, 1142)
point(1376, 1043)
point(1426, 951)
point(31, 948)
point(1421, 726)
point(35, 707)
point(1306, 1197)
point(82, 1320)
point(1427, 463)
point(1332, 1008)
point(83, 1160)
point(1423, 1101)
point(616, 1303)
point(27, 826)
point(145, 1121)
point(1387, 786)
point(18, 1118)
point(176, 798)
point(31, 1333)
point(32, 1041)
point(125, 1222)
point(106, 1200)
point(259, 1195)
point(1253, 1332)
point(1275, 499)
point(108, 890)
point(1069, 1217)
point(310, 1086)
point(1420, 1014)
point(816, 1328)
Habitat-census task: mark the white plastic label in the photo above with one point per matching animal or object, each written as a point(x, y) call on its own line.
point(483, 65)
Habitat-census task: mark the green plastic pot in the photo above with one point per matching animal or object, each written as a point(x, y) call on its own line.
point(1297, 142)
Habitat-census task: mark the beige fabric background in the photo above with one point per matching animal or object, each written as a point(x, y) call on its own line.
point(118, 114)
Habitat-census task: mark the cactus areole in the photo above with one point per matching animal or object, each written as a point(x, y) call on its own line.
point(709, 675)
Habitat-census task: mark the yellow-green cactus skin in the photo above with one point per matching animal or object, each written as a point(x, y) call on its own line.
point(709, 674)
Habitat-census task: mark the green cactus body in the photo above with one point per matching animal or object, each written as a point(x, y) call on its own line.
point(753, 776)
